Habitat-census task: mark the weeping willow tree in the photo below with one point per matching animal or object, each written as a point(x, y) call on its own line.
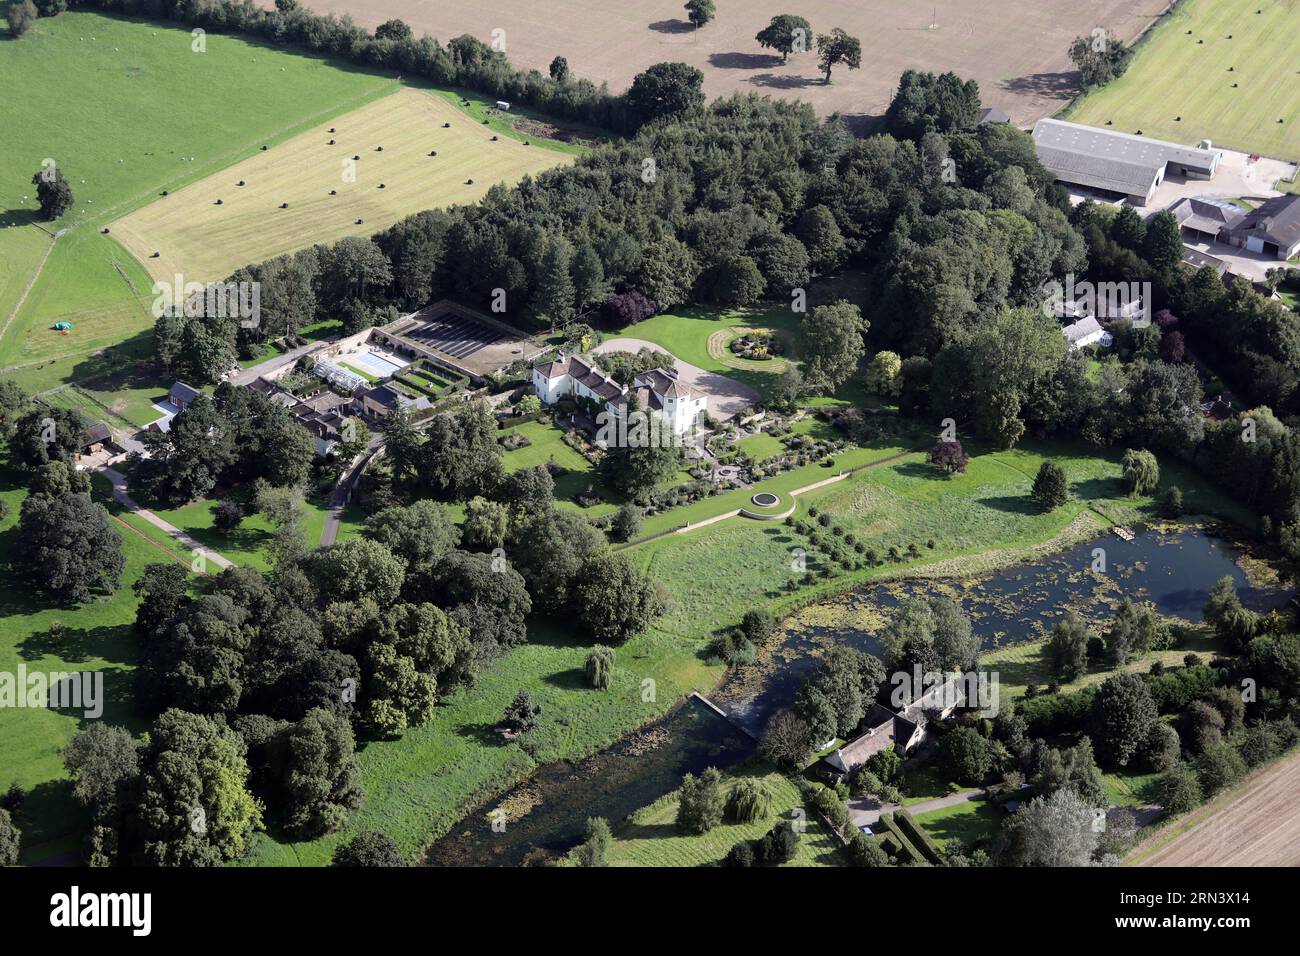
point(748, 801)
point(599, 667)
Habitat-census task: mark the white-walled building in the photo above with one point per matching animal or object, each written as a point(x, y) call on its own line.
point(660, 390)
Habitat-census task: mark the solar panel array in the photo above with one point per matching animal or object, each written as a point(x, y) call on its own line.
point(457, 336)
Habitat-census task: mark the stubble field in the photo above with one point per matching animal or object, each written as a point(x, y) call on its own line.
point(1016, 49)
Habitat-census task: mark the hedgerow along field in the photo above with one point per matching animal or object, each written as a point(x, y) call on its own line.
point(374, 168)
point(1191, 75)
point(138, 111)
point(1016, 49)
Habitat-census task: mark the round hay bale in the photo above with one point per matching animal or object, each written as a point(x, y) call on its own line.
point(469, 182)
point(240, 183)
point(264, 148)
point(332, 130)
point(356, 156)
point(381, 185)
point(155, 255)
point(433, 152)
point(284, 205)
point(494, 139)
point(360, 221)
point(446, 126)
point(331, 142)
point(379, 149)
point(334, 192)
point(104, 231)
point(218, 202)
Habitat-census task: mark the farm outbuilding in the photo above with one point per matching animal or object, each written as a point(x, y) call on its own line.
point(1122, 163)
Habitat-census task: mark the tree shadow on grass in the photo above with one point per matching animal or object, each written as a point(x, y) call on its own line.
point(1064, 83)
point(672, 26)
point(485, 735)
point(78, 645)
point(782, 81)
point(51, 813)
point(630, 830)
point(1012, 504)
point(573, 679)
point(18, 217)
point(1091, 489)
point(743, 61)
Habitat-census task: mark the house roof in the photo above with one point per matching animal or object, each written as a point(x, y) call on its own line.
point(186, 393)
point(1105, 159)
point(1275, 220)
point(666, 383)
point(1084, 328)
point(991, 114)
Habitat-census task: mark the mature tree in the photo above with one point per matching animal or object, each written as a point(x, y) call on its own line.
point(368, 848)
point(1056, 830)
point(1141, 472)
point(591, 287)
point(69, 548)
point(739, 282)
point(559, 70)
point(194, 808)
point(11, 838)
point(787, 741)
point(286, 510)
point(667, 272)
point(1219, 768)
point(831, 344)
point(1179, 790)
point(1050, 490)
point(598, 668)
point(925, 102)
point(184, 463)
point(665, 89)
point(357, 568)
point(838, 47)
point(778, 845)
point(163, 590)
point(522, 715)
point(700, 12)
point(101, 759)
point(1162, 748)
point(1074, 768)
point(21, 15)
point(966, 755)
point(749, 801)
point(319, 778)
point(823, 239)
point(400, 696)
point(595, 841)
point(461, 456)
point(628, 308)
point(614, 599)
point(885, 374)
point(351, 268)
point(1163, 243)
point(553, 295)
point(700, 803)
point(393, 30)
point(421, 534)
point(1133, 631)
point(44, 435)
point(52, 189)
point(644, 459)
point(1121, 717)
point(1100, 57)
point(485, 525)
point(947, 455)
point(787, 33)
point(626, 522)
point(1067, 648)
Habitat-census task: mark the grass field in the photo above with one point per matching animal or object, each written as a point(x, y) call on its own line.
point(97, 637)
point(203, 241)
point(1176, 74)
point(650, 838)
point(139, 111)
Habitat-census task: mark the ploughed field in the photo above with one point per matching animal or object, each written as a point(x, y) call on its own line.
point(1257, 824)
point(1016, 49)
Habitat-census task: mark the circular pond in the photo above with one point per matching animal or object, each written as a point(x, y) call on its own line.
point(765, 499)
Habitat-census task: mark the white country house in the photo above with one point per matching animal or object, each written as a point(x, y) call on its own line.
point(660, 390)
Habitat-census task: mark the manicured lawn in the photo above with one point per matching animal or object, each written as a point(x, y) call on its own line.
point(650, 838)
point(762, 446)
point(926, 783)
point(1179, 75)
point(966, 823)
point(548, 445)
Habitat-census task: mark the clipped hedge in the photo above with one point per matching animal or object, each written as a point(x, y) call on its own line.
point(919, 837)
